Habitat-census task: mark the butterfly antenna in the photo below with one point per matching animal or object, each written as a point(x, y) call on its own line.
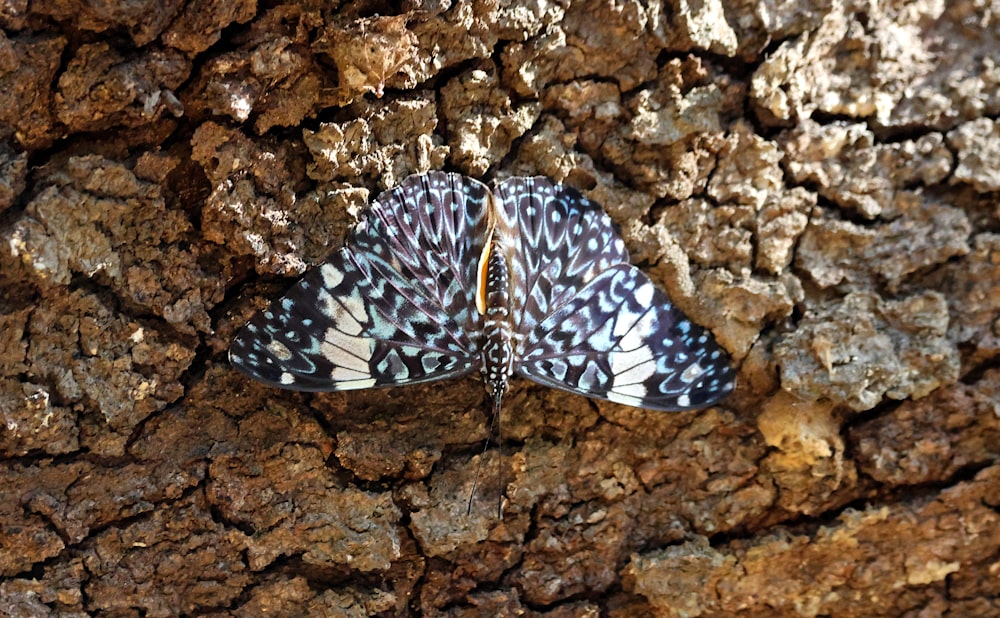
point(499, 423)
point(479, 468)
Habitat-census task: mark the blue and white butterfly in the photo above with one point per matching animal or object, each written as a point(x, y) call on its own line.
point(444, 276)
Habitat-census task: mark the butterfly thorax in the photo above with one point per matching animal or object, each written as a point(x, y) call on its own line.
point(494, 305)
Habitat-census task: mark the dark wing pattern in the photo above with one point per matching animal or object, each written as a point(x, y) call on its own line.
point(591, 323)
point(395, 306)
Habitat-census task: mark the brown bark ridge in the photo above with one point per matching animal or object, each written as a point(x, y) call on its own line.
point(817, 183)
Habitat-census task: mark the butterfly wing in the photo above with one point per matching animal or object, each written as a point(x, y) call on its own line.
point(394, 306)
point(590, 322)
point(557, 240)
point(622, 340)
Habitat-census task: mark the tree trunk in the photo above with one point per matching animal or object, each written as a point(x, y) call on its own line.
point(816, 184)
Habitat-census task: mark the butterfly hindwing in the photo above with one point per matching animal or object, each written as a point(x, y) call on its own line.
point(622, 340)
point(430, 230)
point(559, 241)
point(392, 307)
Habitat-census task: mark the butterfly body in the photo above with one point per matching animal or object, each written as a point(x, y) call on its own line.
point(497, 356)
point(445, 276)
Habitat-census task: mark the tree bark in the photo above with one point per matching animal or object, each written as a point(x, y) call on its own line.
point(817, 184)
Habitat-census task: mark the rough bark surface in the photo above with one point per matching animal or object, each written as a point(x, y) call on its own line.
point(817, 183)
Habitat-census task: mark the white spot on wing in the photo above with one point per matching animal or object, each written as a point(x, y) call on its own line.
point(343, 374)
point(692, 373)
point(623, 398)
point(641, 328)
point(645, 367)
point(644, 294)
point(345, 312)
point(348, 385)
point(279, 350)
point(332, 276)
point(636, 392)
point(347, 351)
point(355, 306)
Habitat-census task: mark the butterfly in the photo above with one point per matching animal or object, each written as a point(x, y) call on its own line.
point(444, 276)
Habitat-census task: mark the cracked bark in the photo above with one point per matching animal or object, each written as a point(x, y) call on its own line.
point(817, 184)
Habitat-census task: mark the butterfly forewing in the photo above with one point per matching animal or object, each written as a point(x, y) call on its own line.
point(394, 306)
point(622, 340)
